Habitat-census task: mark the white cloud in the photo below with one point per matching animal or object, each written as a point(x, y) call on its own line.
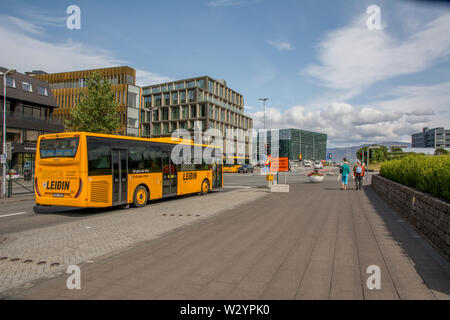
point(148, 78)
point(280, 45)
point(409, 109)
point(227, 3)
point(353, 58)
point(25, 52)
point(22, 24)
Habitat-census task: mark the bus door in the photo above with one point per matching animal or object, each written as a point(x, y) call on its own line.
point(120, 176)
point(169, 175)
point(216, 175)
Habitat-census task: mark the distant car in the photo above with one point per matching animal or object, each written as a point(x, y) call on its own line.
point(245, 168)
point(318, 165)
point(307, 163)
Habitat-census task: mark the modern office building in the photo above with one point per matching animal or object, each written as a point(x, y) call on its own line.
point(294, 144)
point(431, 138)
point(30, 109)
point(201, 102)
point(67, 86)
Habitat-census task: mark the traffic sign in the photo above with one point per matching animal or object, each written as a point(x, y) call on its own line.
point(279, 164)
point(3, 158)
point(329, 156)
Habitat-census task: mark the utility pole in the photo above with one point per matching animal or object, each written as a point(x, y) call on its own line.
point(10, 71)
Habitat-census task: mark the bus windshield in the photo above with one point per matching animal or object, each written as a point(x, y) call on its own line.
point(64, 147)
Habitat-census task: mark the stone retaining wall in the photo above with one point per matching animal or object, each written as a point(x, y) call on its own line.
point(429, 215)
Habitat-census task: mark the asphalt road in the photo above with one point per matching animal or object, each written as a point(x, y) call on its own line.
point(20, 215)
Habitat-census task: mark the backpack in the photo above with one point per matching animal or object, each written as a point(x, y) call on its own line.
point(358, 169)
point(340, 169)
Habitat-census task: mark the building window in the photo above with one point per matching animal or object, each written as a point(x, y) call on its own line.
point(210, 86)
point(148, 102)
point(179, 85)
point(175, 113)
point(156, 128)
point(166, 99)
point(146, 91)
point(42, 91)
point(165, 128)
point(182, 97)
point(191, 95)
point(170, 87)
point(191, 84)
point(185, 112)
point(156, 90)
point(193, 111)
point(164, 88)
point(10, 82)
point(202, 110)
point(155, 115)
point(175, 98)
point(165, 114)
point(27, 87)
point(201, 83)
point(158, 100)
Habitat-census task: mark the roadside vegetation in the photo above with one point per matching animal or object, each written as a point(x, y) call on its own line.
point(425, 173)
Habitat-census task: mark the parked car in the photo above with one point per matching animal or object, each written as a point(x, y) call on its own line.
point(307, 163)
point(245, 168)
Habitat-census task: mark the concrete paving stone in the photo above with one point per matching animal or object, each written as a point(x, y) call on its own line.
point(280, 246)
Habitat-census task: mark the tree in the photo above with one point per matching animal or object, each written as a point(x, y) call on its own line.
point(441, 151)
point(376, 155)
point(97, 110)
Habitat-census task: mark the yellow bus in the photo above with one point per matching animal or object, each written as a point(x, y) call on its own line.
point(232, 166)
point(81, 169)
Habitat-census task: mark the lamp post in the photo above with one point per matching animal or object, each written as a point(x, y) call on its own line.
point(264, 103)
point(10, 71)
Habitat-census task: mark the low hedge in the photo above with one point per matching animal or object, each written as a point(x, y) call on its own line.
point(430, 174)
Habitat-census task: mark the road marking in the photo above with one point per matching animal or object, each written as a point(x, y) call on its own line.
point(237, 187)
point(12, 214)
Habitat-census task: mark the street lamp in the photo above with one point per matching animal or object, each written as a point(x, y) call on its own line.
point(10, 71)
point(264, 103)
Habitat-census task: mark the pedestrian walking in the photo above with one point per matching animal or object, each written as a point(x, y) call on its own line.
point(345, 173)
point(358, 173)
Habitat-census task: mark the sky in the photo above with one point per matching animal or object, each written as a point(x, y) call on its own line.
point(317, 61)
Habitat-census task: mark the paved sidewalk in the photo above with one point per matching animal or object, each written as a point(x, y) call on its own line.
point(315, 242)
point(29, 255)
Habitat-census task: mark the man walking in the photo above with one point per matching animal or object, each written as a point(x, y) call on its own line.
point(358, 173)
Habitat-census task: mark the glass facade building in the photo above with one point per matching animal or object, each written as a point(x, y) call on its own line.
point(291, 144)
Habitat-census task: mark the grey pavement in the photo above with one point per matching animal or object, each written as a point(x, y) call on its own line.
point(315, 242)
point(38, 252)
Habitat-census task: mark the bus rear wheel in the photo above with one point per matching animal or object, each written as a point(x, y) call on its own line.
point(205, 187)
point(140, 197)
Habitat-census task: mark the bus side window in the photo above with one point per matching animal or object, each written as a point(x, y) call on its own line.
point(99, 158)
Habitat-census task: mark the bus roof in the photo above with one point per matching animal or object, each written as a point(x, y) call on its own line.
point(169, 140)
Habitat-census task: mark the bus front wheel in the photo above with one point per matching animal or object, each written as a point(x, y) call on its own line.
point(140, 197)
point(205, 187)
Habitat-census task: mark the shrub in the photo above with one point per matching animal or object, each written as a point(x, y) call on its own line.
point(427, 174)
